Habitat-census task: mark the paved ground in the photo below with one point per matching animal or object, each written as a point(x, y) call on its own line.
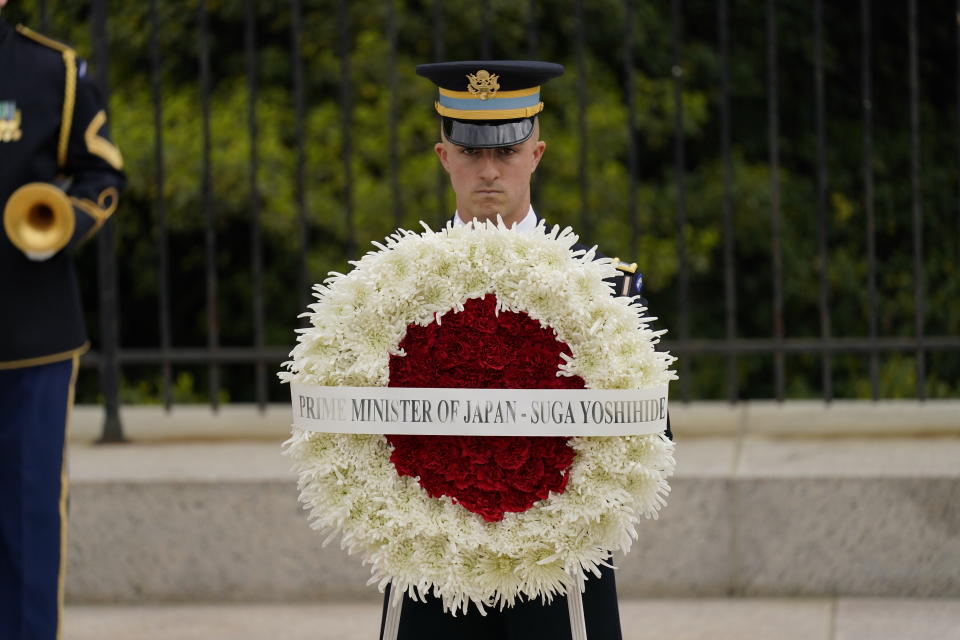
point(696, 457)
point(694, 619)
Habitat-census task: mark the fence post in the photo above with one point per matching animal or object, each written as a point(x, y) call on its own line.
point(107, 258)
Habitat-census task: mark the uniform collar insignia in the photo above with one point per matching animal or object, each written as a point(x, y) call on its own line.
point(9, 121)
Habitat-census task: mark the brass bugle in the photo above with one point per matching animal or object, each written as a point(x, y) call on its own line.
point(39, 220)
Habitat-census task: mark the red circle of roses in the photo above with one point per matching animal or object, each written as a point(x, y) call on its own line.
point(480, 349)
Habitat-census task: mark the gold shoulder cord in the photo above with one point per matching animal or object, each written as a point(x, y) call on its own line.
point(69, 90)
point(628, 271)
point(69, 99)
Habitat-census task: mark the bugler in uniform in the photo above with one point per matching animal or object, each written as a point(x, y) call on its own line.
point(53, 132)
point(490, 107)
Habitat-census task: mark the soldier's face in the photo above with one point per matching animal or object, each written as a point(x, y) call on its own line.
point(488, 182)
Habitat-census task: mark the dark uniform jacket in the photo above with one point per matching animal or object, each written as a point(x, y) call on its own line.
point(527, 620)
point(52, 129)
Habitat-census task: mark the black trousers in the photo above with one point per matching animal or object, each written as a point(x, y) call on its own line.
point(524, 621)
point(35, 405)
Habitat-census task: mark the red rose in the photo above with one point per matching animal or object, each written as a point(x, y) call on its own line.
point(496, 357)
point(530, 477)
point(471, 448)
point(490, 477)
point(514, 456)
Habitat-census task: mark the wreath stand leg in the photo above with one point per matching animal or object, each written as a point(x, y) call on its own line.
point(391, 626)
point(578, 625)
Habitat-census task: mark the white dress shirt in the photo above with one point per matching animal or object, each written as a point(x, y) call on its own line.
point(529, 222)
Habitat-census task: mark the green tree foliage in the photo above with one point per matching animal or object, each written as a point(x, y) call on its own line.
point(603, 210)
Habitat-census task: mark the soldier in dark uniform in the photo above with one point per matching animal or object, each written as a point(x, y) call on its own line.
point(490, 146)
point(52, 130)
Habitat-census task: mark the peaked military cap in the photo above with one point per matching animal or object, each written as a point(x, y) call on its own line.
point(489, 103)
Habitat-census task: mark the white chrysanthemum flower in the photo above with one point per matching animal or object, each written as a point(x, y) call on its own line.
point(433, 546)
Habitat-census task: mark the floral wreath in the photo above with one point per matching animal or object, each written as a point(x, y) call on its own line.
point(394, 500)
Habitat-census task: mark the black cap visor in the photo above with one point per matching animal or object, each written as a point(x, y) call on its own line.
point(487, 134)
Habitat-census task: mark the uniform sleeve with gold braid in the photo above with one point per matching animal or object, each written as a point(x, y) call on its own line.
point(93, 161)
point(85, 153)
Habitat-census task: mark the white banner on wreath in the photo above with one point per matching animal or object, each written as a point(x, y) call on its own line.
point(479, 412)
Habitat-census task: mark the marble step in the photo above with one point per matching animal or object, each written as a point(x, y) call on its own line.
point(763, 517)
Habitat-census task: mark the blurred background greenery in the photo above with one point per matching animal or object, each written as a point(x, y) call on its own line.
point(558, 192)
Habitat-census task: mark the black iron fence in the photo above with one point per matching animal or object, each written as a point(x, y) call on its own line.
point(724, 107)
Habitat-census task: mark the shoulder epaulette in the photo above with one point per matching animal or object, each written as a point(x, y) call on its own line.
point(632, 281)
point(69, 90)
point(623, 266)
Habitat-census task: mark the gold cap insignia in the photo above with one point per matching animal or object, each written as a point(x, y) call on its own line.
point(483, 84)
point(9, 122)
